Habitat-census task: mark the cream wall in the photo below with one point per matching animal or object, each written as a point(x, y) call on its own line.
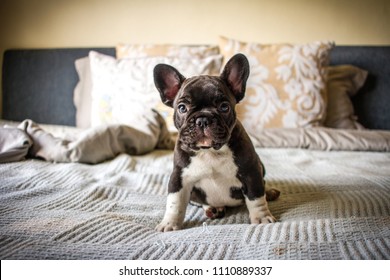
point(82, 23)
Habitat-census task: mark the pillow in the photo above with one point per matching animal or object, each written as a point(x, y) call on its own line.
point(123, 89)
point(286, 85)
point(343, 82)
point(148, 50)
point(82, 93)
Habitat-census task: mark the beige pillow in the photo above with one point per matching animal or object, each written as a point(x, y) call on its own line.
point(148, 50)
point(286, 86)
point(343, 82)
point(123, 89)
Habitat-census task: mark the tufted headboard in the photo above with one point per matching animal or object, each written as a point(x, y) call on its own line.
point(39, 84)
point(373, 100)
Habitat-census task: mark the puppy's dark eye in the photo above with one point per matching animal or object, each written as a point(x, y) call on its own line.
point(182, 108)
point(224, 107)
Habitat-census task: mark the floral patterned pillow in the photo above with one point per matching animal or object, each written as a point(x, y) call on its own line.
point(123, 89)
point(286, 86)
point(149, 50)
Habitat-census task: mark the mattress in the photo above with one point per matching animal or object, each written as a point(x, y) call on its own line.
point(334, 204)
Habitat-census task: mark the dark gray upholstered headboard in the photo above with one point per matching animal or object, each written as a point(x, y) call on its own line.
point(372, 103)
point(38, 84)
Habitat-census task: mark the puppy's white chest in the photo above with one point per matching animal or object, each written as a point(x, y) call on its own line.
point(214, 173)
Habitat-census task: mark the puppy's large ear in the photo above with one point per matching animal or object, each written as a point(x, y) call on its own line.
point(235, 74)
point(168, 82)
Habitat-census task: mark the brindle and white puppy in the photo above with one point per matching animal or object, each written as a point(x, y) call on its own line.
point(215, 163)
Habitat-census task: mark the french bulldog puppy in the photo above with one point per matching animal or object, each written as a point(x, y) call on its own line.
point(215, 163)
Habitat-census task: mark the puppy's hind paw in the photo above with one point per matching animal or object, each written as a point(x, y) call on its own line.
point(272, 194)
point(214, 212)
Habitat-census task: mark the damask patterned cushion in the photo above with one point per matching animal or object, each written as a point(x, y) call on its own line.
point(123, 89)
point(149, 50)
point(343, 82)
point(286, 86)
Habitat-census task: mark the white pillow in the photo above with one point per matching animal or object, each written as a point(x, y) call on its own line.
point(82, 93)
point(123, 89)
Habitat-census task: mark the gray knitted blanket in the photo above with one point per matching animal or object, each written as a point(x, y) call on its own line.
point(333, 205)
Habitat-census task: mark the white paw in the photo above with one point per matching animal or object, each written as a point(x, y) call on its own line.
point(175, 212)
point(259, 212)
point(262, 218)
point(168, 225)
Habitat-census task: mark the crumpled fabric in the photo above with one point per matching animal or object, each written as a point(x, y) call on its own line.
point(91, 146)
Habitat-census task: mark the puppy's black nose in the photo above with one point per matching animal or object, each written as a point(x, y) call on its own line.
point(202, 122)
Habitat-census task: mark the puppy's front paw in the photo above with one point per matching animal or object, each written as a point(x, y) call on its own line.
point(259, 212)
point(262, 218)
point(168, 225)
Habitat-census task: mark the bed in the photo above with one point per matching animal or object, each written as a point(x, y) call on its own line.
point(334, 181)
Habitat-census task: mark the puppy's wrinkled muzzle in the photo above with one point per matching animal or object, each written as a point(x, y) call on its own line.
point(205, 143)
point(202, 122)
point(204, 132)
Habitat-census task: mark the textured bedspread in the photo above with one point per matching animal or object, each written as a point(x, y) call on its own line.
point(334, 205)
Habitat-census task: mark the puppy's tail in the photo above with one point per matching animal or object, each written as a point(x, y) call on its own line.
point(272, 194)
